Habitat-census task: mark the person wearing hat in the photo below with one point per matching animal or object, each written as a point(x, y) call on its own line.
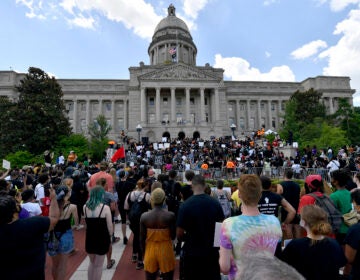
point(157, 230)
point(29, 203)
point(313, 184)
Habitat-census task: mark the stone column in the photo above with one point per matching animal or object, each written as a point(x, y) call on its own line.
point(216, 104)
point(125, 114)
point(187, 105)
point(75, 117)
point(279, 114)
point(237, 121)
point(157, 105)
point(88, 116)
point(100, 107)
point(248, 114)
point(259, 113)
point(173, 103)
point(331, 105)
point(113, 116)
point(269, 115)
point(142, 105)
point(202, 105)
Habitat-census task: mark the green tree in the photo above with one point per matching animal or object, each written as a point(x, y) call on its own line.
point(302, 109)
point(98, 131)
point(37, 120)
point(21, 158)
point(8, 111)
point(75, 142)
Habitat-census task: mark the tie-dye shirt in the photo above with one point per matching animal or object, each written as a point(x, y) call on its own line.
point(247, 234)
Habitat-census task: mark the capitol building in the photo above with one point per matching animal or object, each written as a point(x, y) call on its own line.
point(173, 97)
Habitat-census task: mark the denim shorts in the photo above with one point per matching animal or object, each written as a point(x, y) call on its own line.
point(62, 245)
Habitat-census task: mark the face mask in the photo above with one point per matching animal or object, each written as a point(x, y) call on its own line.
point(302, 223)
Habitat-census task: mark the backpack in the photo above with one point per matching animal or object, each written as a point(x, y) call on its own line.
point(172, 200)
point(137, 208)
point(224, 202)
point(334, 215)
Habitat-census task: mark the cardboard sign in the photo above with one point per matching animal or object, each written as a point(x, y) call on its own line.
point(6, 164)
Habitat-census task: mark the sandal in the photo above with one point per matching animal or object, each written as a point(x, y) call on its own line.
point(111, 264)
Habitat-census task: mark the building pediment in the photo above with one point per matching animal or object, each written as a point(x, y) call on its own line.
point(179, 72)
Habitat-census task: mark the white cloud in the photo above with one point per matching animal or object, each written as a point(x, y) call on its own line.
point(269, 2)
point(343, 58)
point(309, 49)
point(237, 68)
point(192, 8)
point(81, 21)
point(338, 5)
point(35, 9)
point(267, 54)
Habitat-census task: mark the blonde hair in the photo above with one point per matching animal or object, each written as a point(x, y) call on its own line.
point(250, 188)
point(316, 219)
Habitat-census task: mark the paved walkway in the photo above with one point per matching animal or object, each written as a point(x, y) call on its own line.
point(123, 269)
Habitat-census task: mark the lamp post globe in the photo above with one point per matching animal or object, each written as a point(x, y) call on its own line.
point(138, 129)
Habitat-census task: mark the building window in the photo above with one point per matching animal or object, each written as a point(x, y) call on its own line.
point(151, 101)
point(83, 106)
point(192, 118)
point(165, 118)
point(69, 107)
point(108, 106)
point(151, 118)
point(165, 101)
point(206, 101)
point(178, 101)
point(252, 123)
point(282, 105)
point(108, 121)
point(252, 106)
point(179, 119)
point(192, 101)
point(262, 122)
point(272, 106)
point(242, 123)
point(120, 124)
point(231, 121)
point(242, 107)
point(207, 117)
point(262, 106)
point(83, 125)
point(273, 123)
point(120, 106)
point(95, 107)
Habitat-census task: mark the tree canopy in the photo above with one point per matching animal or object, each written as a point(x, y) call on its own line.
point(37, 119)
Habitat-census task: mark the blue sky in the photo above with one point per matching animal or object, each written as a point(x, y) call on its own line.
point(260, 40)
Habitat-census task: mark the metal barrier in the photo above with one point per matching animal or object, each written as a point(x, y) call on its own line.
point(235, 173)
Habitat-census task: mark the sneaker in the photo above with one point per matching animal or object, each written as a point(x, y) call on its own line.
point(134, 258)
point(79, 227)
point(125, 241)
point(139, 266)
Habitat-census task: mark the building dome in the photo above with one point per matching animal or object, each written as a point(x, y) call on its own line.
point(172, 41)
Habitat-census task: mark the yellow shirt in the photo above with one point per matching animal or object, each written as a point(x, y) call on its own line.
point(235, 197)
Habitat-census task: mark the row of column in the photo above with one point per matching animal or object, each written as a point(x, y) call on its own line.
point(259, 115)
point(143, 104)
point(100, 112)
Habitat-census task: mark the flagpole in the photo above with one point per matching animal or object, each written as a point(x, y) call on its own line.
point(177, 48)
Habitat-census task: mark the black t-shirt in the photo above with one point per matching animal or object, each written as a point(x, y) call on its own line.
point(22, 250)
point(186, 192)
point(269, 203)
point(291, 192)
point(315, 262)
point(197, 216)
point(353, 240)
point(122, 189)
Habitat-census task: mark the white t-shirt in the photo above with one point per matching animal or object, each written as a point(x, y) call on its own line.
point(33, 208)
point(39, 193)
point(61, 159)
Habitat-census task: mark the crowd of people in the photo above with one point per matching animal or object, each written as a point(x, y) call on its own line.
point(214, 232)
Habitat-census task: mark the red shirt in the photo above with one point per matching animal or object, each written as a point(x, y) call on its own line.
point(308, 200)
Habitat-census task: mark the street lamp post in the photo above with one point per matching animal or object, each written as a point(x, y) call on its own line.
point(138, 129)
point(233, 127)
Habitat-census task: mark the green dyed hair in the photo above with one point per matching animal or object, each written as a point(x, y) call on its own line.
point(96, 197)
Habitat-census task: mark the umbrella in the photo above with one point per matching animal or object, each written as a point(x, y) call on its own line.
point(111, 142)
point(269, 131)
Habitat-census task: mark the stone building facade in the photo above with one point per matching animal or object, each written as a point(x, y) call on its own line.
point(173, 97)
